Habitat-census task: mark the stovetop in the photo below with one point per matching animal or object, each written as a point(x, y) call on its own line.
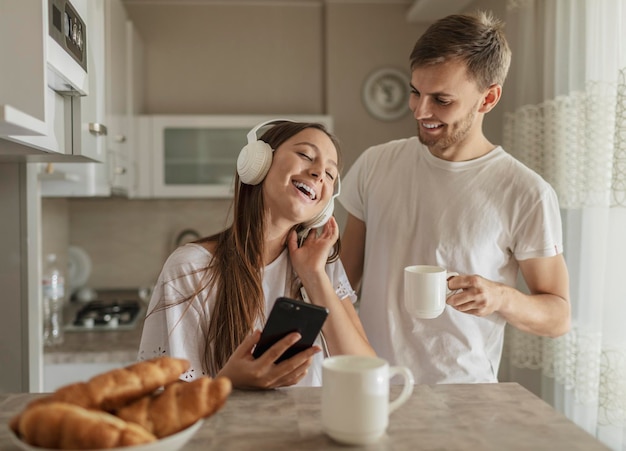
point(106, 314)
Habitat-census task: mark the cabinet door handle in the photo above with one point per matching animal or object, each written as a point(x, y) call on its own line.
point(120, 138)
point(120, 170)
point(97, 129)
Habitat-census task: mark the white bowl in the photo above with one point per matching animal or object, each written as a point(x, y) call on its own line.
point(172, 443)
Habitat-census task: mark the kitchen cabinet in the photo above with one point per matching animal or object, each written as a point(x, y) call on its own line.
point(189, 156)
point(107, 116)
point(20, 242)
point(22, 82)
point(40, 85)
point(57, 375)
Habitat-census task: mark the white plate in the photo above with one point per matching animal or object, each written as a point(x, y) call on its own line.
point(79, 267)
point(172, 443)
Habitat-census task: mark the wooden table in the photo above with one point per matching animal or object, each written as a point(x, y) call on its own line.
point(477, 417)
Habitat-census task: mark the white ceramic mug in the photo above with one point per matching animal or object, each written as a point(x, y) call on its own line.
point(426, 290)
point(355, 397)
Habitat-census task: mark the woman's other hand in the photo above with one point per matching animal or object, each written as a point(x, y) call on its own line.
point(244, 371)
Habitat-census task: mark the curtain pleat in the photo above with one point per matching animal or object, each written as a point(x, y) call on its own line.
point(566, 119)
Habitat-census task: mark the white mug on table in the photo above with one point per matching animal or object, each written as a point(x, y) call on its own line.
point(426, 290)
point(355, 397)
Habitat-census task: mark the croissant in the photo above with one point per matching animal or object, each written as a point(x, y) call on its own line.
point(119, 387)
point(115, 388)
point(178, 406)
point(57, 425)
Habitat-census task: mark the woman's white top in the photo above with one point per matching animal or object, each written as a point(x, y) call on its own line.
point(180, 329)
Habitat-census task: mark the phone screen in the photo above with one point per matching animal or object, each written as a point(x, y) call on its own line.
point(290, 315)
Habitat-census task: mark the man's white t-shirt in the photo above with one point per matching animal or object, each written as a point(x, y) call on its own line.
point(473, 217)
point(179, 330)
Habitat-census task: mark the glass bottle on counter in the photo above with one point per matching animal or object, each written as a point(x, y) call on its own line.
point(53, 293)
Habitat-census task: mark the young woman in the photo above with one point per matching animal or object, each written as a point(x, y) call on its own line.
point(213, 296)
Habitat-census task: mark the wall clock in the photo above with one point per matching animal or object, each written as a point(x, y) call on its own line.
point(386, 94)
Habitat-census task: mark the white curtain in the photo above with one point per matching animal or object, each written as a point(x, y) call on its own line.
point(566, 118)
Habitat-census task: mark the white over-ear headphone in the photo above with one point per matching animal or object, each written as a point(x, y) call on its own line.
point(324, 215)
point(255, 158)
point(321, 218)
point(254, 162)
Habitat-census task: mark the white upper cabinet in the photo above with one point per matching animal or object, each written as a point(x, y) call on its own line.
point(22, 78)
point(93, 115)
point(43, 79)
point(189, 156)
point(107, 116)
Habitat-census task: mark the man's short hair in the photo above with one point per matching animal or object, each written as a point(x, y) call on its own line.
point(476, 39)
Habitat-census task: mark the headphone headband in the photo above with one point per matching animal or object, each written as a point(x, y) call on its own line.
point(252, 137)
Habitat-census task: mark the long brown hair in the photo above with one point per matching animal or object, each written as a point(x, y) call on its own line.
point(237, 265)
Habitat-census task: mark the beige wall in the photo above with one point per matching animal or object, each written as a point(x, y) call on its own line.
point(243, 58)
point(218, 58)
point(361, 39)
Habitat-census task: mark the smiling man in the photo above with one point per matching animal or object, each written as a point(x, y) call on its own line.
point(449, 197)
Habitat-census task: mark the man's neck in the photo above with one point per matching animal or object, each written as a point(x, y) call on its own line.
point(465, 150)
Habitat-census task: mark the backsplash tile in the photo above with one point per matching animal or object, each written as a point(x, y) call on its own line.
point(129, 240)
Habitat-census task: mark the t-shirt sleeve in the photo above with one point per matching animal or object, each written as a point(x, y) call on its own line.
point(352, 195)
point(540, 233)
point(339, 279)
point(177, 314)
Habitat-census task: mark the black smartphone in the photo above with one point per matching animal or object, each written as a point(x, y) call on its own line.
point(290, 315)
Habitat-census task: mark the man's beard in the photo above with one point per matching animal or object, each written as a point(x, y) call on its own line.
point(445, 140)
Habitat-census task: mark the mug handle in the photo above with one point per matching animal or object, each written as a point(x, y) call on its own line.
point(406, 390)
point(448, 290)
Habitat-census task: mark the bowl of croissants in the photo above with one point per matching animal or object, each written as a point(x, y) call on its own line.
point(141, 407)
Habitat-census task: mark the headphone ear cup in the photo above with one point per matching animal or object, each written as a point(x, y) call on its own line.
point(322, 218)
point(253, 162)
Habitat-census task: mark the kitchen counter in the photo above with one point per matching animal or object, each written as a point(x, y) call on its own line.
point(95, 346)
point(472, 417)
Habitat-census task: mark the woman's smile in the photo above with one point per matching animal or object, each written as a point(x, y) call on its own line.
point(307, 190)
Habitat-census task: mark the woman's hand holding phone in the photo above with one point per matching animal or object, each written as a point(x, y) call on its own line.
point(245, 371)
